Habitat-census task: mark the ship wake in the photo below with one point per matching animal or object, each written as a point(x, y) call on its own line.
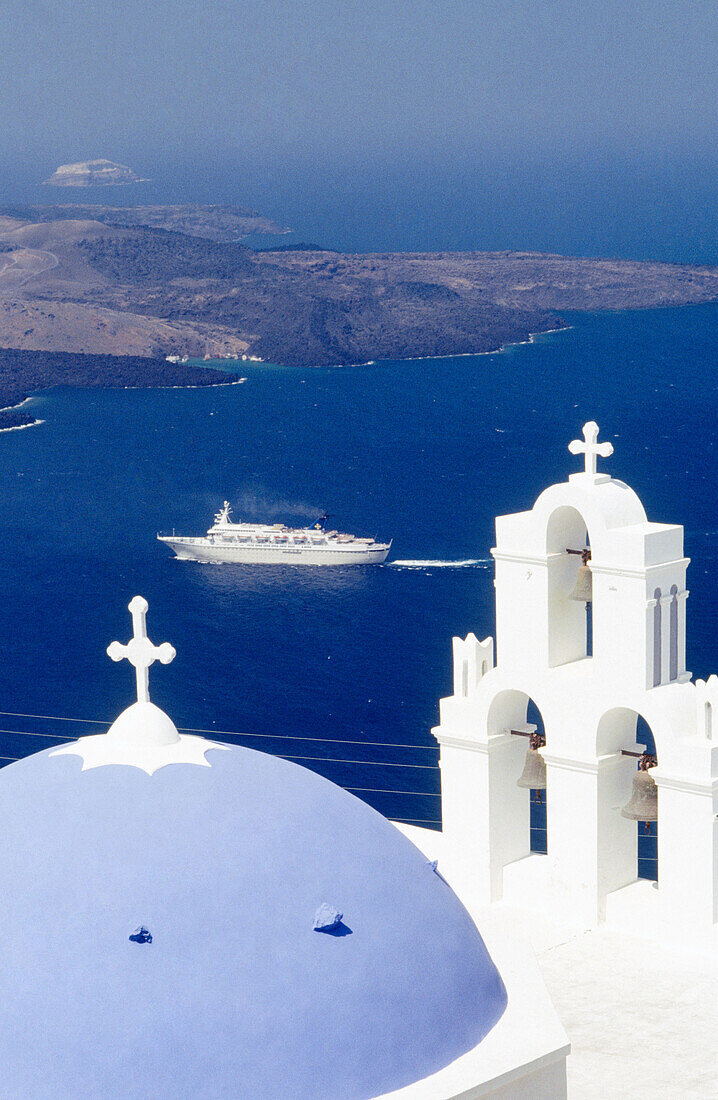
point(465, 563)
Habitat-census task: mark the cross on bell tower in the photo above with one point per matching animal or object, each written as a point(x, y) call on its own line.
point(140, 651)
point(590, 448)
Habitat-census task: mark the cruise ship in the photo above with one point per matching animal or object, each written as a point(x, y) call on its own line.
point(275, 544)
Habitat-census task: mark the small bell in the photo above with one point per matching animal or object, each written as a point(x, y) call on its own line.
point(534, 773)
point(643, 804)
point(583, 589)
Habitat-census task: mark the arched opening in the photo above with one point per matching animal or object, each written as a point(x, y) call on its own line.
point(657, 639)
point(538, 837)
point(627, 851)
point(673, 634)
point(522, 808)
point(647, 831)
point(570, 617)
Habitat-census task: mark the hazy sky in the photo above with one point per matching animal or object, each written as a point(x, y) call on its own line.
point(142, 81)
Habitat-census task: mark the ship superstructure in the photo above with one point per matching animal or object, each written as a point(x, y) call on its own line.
point(276, 544)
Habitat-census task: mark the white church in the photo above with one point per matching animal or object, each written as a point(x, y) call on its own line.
point(591, 626)
point(583, 703)
point(183, 918)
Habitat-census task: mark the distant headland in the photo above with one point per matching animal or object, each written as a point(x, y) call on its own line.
point(214, 222)
point(23, 373)
point(151, 281)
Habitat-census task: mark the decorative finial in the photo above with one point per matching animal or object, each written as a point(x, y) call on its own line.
point(590, 448)
point(140, 651)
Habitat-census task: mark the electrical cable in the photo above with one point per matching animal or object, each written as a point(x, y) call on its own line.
point(215, 733)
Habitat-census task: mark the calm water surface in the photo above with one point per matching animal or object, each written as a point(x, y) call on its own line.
point(424, 452)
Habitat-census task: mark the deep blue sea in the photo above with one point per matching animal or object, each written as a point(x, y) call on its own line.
point(424, 452)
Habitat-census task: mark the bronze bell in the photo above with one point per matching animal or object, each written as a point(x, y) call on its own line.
point(534, 774)
point(643, 804)
point(583, 589)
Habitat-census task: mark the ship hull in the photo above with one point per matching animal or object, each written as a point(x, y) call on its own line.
point(201, 550)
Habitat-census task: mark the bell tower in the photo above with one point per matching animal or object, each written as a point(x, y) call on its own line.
point(635, 567)
point(590, 627)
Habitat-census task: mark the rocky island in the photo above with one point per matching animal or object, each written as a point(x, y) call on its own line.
point(133, 283)
point(93, 173)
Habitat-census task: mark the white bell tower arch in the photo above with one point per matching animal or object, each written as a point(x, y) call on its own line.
point(590, 690)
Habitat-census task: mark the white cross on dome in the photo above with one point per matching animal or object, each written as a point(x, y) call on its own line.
point(140, 651)
point(143, 736)
point(590, 448)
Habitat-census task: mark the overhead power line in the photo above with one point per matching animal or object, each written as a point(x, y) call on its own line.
point(215, 733)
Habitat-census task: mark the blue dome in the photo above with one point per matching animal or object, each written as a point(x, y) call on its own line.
point(236, 995)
